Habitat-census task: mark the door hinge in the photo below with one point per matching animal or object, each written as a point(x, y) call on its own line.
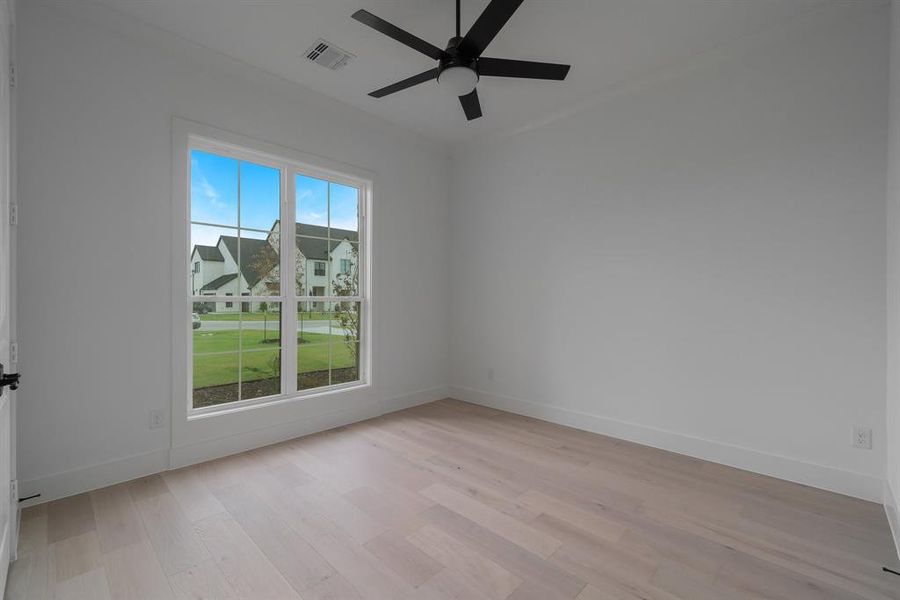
point(13, 352)
point(13, 214)
point(12, 75)
point(14, 491)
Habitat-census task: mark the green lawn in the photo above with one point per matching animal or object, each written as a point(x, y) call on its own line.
point(260, 358)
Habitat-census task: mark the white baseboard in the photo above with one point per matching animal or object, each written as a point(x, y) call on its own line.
point(892, 510)
point(414, 399)
point(85, 479)
point(192, 454)
point(77, 481)
point(183, 456)
point(820, 476)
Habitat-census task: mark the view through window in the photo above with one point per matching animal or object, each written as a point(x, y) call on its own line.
point(284, 335)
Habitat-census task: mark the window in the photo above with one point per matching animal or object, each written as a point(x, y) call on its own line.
point(197, 267)
point(288, 336)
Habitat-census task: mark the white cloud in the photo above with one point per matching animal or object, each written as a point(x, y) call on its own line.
point(211, 193)
point(313, 218)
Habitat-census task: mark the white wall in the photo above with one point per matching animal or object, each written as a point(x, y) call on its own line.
point(892, 492)
point(697, 263)
point(96, 112)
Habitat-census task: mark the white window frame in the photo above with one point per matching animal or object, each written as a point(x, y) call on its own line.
point(188, 136)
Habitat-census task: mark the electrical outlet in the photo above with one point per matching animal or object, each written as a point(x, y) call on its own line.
point(157, 418)
point(862, 437)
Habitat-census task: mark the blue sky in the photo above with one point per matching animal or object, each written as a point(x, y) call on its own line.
point(214, 198)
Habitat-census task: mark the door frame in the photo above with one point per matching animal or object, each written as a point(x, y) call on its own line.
point(9, 216)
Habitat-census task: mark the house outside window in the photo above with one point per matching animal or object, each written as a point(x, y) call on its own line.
point(320, 269)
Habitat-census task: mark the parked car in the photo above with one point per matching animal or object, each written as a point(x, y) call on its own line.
point(195, 320)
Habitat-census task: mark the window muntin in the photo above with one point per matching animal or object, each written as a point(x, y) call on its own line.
point(237, 207)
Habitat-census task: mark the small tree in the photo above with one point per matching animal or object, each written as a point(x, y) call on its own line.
point(346, 283)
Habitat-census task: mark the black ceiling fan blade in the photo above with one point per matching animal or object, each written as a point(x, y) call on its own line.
point(502, 67)
point(406, 83)
point(487, 26)
point(471, 105)
point(404, 37)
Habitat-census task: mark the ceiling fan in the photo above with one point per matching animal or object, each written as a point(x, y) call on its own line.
point(461, 65)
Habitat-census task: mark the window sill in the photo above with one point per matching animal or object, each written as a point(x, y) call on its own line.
point(245, 405)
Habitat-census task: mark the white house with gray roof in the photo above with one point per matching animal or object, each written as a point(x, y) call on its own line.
point(249, 267)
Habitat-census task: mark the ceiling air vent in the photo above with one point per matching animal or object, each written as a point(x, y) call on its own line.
point(328, 55)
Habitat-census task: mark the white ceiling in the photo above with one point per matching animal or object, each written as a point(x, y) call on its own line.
point(605, 41)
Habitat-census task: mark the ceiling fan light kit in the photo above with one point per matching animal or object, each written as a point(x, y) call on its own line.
point(458, 80)
point(460, 65)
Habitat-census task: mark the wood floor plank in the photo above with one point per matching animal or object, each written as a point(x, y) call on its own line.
point(398, 444)
point(598, 526)
point(753, 578)
point(117, 521)
point(193, 496)
point(322, 471)
point(370, 578)
point(202, 582)
point(476, 474)
point(70, 517)
point(453, 501)
point(87, 586)
point(241, 562)
point(356, 523)
point(31, 577)
point(333, 588)
point(515, 531)
point(448, 585)
point(75, 555)
point(593, 559)
point(685, 583)
point(865, 582)
point(225, 472)
point(133, 573)
point(484, 574)
point(514, 558)
point(295, 558)
point(403, 558)
point(612, 590)
point(177, 545)
point(398, 511)
point(368, 575)
point(33, 534)
point(531, 590)
point(147, 487)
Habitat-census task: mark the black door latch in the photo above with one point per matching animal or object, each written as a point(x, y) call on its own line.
point(8, 379)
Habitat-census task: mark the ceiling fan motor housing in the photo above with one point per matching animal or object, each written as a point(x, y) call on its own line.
point(453, 57)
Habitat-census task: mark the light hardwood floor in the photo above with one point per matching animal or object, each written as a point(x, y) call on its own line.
point(455, 501)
